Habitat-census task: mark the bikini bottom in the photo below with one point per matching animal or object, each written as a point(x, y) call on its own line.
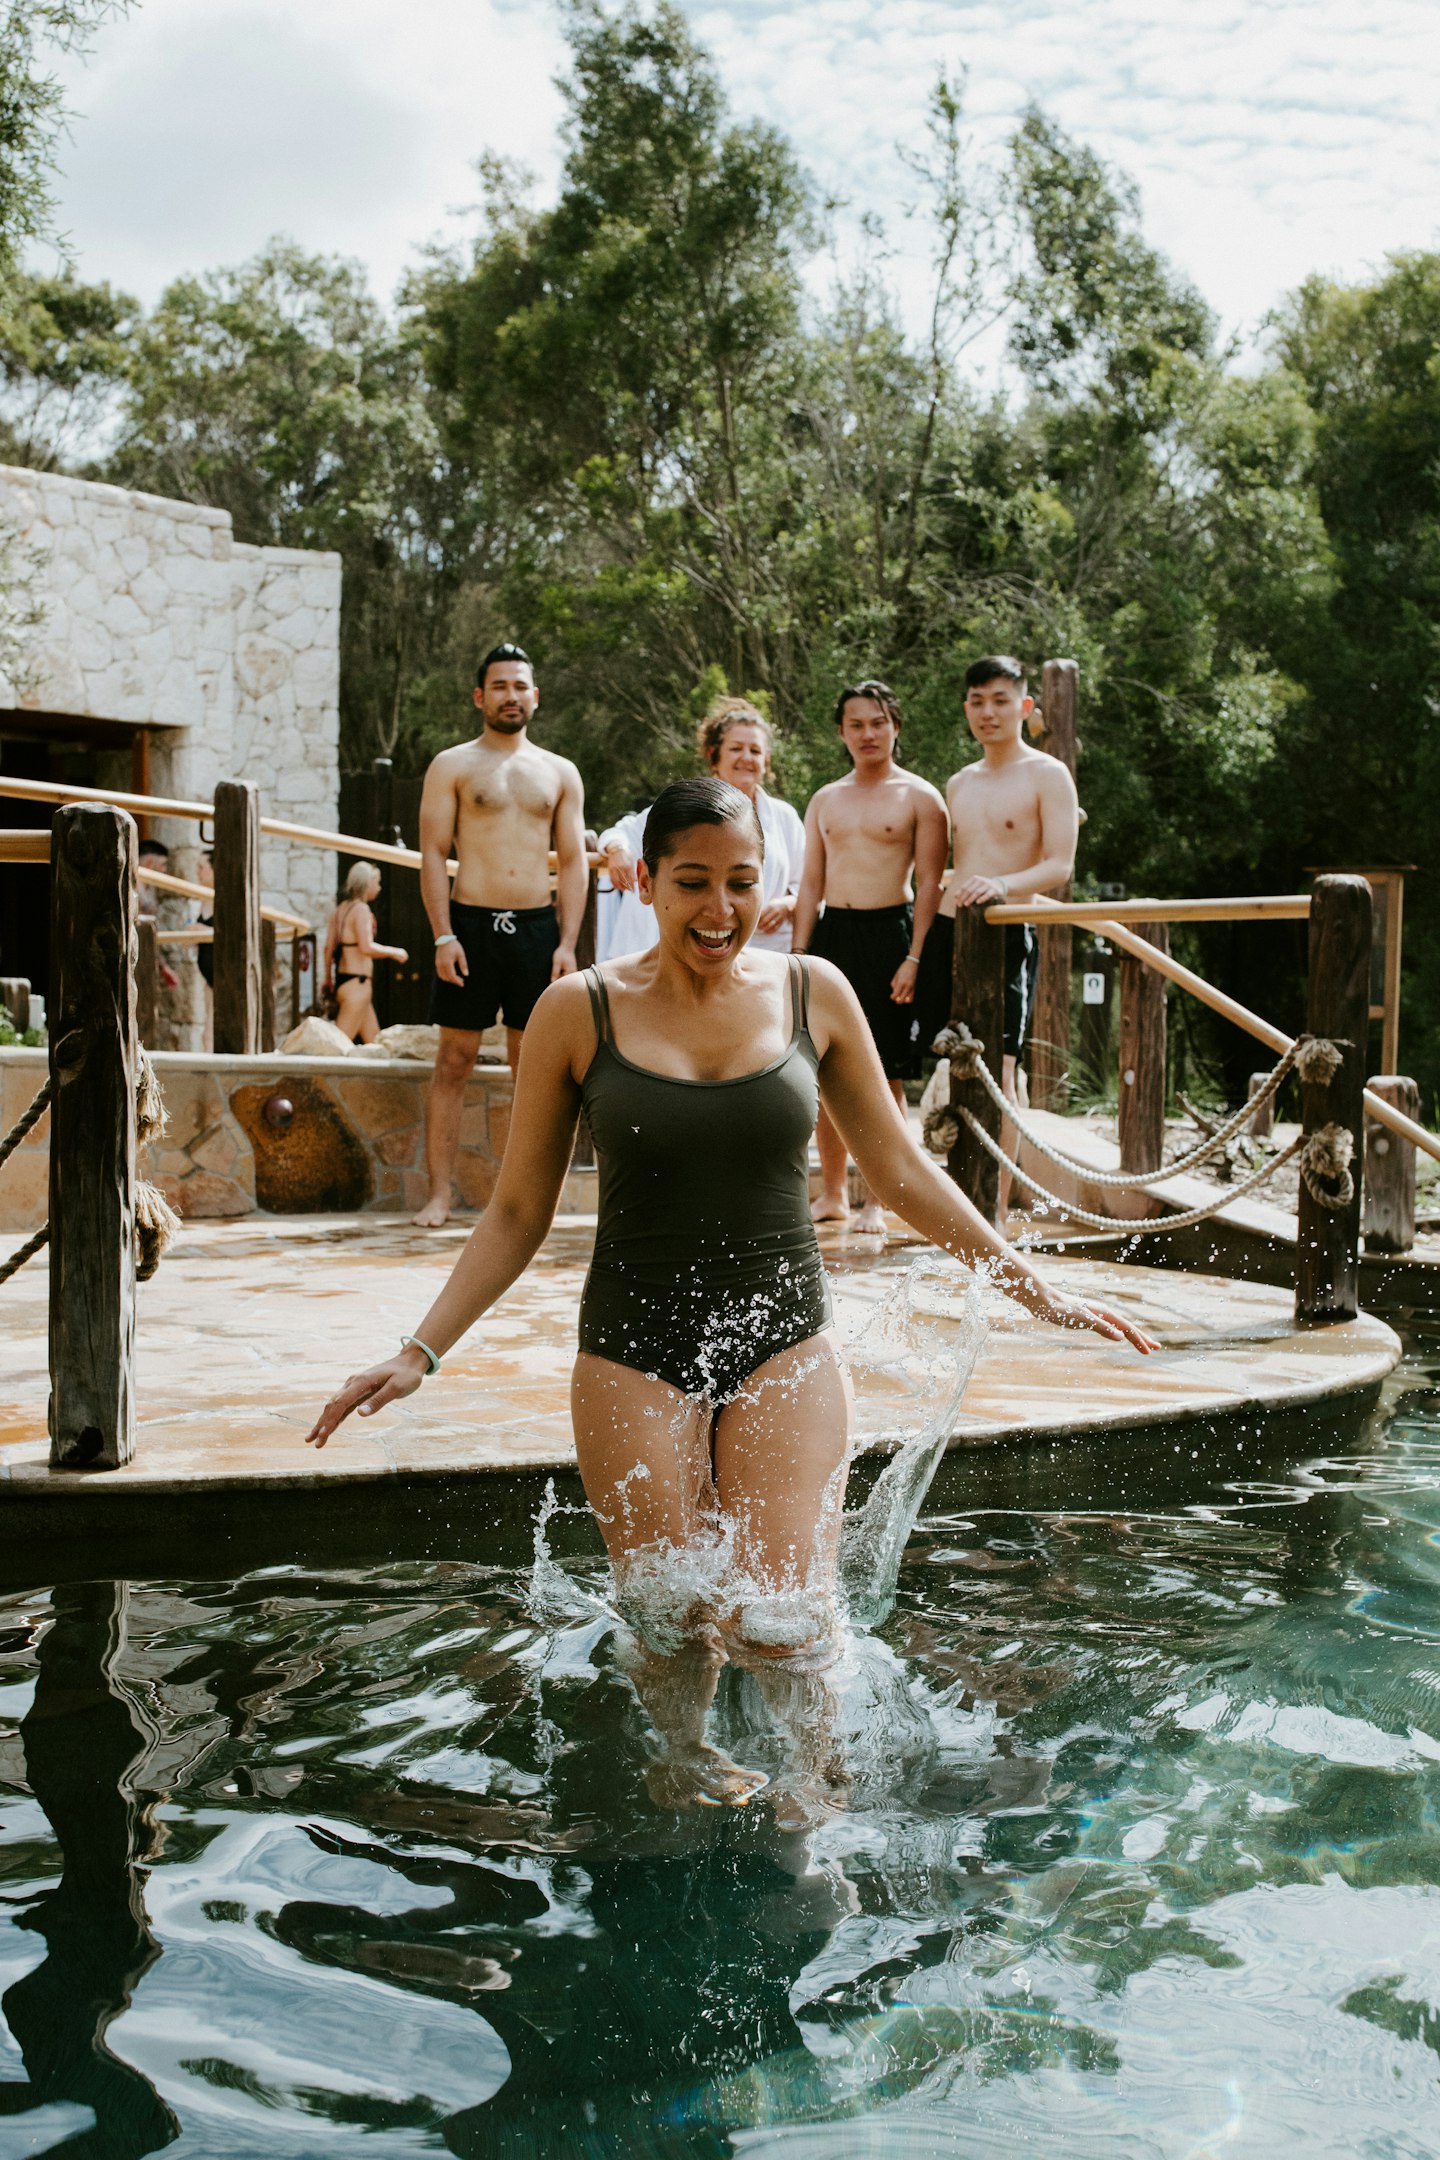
point(706, 1339)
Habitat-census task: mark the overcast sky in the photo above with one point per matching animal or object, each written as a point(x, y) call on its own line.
point(1270, 138)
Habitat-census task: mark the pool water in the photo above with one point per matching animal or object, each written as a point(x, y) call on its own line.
point(1133, 1847)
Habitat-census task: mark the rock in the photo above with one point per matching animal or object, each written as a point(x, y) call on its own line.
point(317, 1038)
point(409, 1041)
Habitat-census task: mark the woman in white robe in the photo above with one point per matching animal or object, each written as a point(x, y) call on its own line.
point(735, 743)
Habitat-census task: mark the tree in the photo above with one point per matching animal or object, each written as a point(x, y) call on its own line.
point(281, 393)
point(64, 357)
point(33, 118)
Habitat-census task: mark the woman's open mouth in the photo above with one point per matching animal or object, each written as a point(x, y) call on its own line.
point(714, 941)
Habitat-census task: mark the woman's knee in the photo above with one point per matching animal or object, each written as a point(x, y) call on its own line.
point(783, 1627)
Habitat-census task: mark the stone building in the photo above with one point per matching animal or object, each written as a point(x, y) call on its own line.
point(168, 656)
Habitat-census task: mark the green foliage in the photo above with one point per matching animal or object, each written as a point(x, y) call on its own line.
point(33, 118)
point(619, 427)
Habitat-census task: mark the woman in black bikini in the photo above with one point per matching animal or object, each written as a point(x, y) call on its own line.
point(710, 1400)
point(351, 953)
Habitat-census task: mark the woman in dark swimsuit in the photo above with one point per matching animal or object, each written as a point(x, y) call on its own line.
point(351, 952)
point(710, 1399)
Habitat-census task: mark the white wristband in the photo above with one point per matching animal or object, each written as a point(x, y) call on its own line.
point(409, 1342)
point(451, 937)
point(1004, 885)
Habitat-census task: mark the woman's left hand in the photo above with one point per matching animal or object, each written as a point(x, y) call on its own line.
point(775, 913)
point(1098, 1319)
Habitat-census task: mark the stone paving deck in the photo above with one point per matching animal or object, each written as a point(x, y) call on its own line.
point(248, 1326)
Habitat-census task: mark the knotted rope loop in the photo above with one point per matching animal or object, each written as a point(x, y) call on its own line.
point(155, 1220)
point(1325, 1166)
point(965, 1051)
point(1317, 1059)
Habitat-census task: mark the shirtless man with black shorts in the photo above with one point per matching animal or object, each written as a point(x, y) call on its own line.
point(1016, 819)
point(502, 803)
point(866, 838)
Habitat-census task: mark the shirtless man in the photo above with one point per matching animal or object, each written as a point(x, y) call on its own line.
point(1016, 819)
point(867, 837)
point(501, 802)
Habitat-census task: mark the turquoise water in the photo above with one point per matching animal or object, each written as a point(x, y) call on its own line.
point(1132, 1847)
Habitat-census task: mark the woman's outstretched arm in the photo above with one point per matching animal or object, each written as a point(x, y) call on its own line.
point(903, 1177)
point(522, 1208)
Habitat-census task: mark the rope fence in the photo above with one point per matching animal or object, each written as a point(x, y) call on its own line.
point(155, 1220)
point(1324, 1156)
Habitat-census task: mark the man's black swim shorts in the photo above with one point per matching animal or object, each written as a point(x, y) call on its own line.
point(508, 952)
point(932, 988)
point(868, 945)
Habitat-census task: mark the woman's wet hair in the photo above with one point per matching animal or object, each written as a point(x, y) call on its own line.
point(880, 692)
point(362, 876)
point(725, 713)
point(686, 803)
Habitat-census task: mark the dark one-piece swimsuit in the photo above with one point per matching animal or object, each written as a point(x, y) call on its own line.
point(706, 1261)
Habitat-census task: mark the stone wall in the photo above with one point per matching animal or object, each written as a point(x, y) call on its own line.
point(355, 1141)
point(153, 614)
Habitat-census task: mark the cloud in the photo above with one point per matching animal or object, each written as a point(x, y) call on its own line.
point(1270, 138)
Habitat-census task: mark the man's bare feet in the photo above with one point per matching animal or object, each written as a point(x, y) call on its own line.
point(870, 1222)
point(830, 1207)
point(701, 1776)
point(433, 1216)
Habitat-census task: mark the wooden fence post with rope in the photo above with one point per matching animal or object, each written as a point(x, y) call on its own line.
point(1142, 1055)
point(1048, 1063)
point(93, 1043)
point(1327, 1251)
point(237, 919)
point(977, 1001)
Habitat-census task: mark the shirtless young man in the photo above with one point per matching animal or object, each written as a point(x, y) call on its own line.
point(501, 802)
point(866, 837)
point(1016, 819)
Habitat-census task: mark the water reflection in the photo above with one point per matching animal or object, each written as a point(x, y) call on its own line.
point(1138, 1854)
point(81, 1740)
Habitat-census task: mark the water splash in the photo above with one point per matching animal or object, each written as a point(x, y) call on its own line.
point(912, 1362)
point(669, 1606)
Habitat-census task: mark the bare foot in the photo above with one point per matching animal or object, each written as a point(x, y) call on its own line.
point(830, 1207)
point(433, 1216)
point(871, 1220)
point(701, 1776)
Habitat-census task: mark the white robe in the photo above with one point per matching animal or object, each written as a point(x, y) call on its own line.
point(625, 925)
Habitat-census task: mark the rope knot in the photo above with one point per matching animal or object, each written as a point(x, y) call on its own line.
point(1317, 1060)
point(942, 1131)
point(965, 1051)
point(1325, 1165)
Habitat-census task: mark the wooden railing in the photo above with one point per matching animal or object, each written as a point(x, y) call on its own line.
point(1339, 910)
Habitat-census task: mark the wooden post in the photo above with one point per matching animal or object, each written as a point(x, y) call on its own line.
point(977, 996)
point(147, 980)
point(92, 1138)
point(1142, 1055)
point(1327, 1247)
point(237, 918)
point(1263, 1122)
point(267, 985)
point(1047, 1059)
point(1390, 1171)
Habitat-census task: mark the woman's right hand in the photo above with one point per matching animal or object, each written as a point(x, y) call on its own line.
point(368, 1392)
point(620, 864)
